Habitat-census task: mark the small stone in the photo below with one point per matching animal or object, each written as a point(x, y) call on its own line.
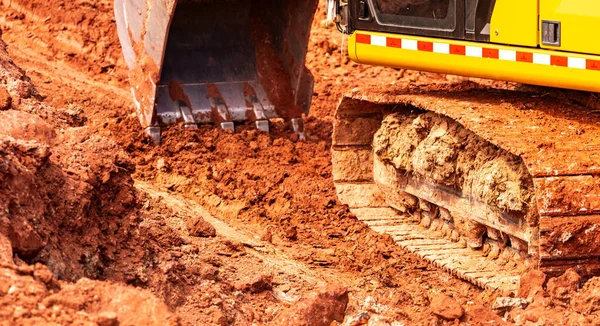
point(505, 304)
point(531, 283)
point(6, 253)
point(318, 309)
point(267, 236)
point(161, 165)
point(205, 272)
point(218, 317)
point(291, 233)
point(43, 273)
point(360, 319)
point(107, 318)
point(5, 100)
point(198, 227)
point(565, 286)
point(446, 307)
point(175, 253)
point(261, 283)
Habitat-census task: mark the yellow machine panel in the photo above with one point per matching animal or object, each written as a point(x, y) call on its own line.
point(515, 22)
point(579, 21)
point(485, 60)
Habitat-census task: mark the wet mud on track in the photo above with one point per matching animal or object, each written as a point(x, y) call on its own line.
point(271, 188)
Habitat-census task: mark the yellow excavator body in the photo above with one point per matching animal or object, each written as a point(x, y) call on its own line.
point(533, 66)
point(516, 50)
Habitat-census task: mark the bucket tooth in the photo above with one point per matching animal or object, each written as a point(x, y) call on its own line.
point(298, 127)
point(188, 117)
point(228, 126)
point(155, 134)
point(262, 125)
point(222, 113)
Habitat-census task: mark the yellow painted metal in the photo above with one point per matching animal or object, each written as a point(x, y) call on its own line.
point(579, 20)
point(515, 22)
point(522, 72)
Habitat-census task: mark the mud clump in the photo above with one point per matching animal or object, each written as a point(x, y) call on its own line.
point(60, 185)
point(198, 227)
point(563, 287)
point(587, 301)
point(446, 307)
point(531, 283)
point(258, 284)
point(31, 296)
point(320, 309)
point(5, 99)
point(440, 151)
point(15, 85)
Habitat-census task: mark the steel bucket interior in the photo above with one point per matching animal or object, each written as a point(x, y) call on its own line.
point(235, 60)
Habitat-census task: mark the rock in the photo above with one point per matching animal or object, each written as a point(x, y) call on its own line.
point(5, 100)
point(535, 311)
point(258, 284)
point(6, 254)
point(26, 127)
point(161, 165)
point(531, 283)
point(505, 304)
point(24, 239)
point(587, 300)
point(360, 319)
point(107, 318)
point(208, 272)
point(565, 286)
point(320, 309)
point(291, 233)
point(446, 307)
point(198, 227)
point(43, 273)
point(267, 236)
point(480, 315)
point(218, 317)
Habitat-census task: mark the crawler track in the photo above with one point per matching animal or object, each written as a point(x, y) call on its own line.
point(474, 237)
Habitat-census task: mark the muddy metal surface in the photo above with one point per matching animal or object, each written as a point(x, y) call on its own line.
point(277, 247)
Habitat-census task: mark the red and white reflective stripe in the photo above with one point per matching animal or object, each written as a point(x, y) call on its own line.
point(479, 52)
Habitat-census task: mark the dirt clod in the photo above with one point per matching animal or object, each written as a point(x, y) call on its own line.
point(291, 233)
point(267, 235)
point(446, 307)
point(565, 286)
point(531, 283)
point(6, 253)
point(107, 318)
point(319, 309)
point(258, 284)
point(5, 99)
point(198, 227)
point(587, 301)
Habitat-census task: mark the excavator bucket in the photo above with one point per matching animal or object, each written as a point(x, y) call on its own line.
point(217, 61)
